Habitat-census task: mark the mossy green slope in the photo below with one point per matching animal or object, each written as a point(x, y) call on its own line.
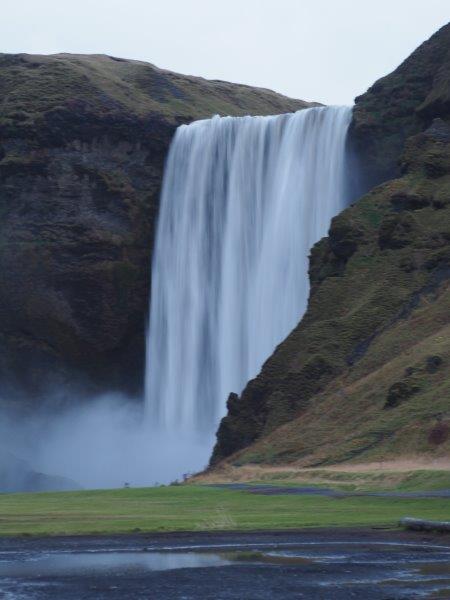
point(31, 85)
point(365, 375)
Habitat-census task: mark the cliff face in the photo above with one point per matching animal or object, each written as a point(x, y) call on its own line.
point(365, 373)
point(400, 105)
point(82, 146)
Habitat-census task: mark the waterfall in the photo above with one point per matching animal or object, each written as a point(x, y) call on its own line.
point(243, 201)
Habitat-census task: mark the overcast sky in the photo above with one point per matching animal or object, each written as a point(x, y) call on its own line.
point(323, 50)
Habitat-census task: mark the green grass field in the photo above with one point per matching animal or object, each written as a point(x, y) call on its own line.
point(197, 508)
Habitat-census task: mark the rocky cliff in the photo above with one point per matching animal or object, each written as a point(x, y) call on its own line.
point(82, 146)
point(365, 373)
point(400, 105)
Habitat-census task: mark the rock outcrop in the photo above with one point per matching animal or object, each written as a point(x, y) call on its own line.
point(82, 146)
point(400, 105)
point(363, 375)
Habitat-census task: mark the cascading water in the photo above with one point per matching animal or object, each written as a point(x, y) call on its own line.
point(243, 201)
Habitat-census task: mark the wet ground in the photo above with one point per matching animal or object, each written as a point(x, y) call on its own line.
point(326, 564)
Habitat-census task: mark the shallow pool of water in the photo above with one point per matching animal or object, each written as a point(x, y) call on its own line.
point(280, 568)
point(89, 563)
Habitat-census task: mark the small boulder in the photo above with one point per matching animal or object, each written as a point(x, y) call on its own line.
point(344, 237)
point(396, 231)
point(433, 363)
point(439, 434)
point(439, 130)
point(410, 371)
point(435, 167)
point(405, 201)
point(398, 393)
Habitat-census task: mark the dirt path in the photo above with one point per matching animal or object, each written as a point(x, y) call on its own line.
point(391, 472)
point(394, 466)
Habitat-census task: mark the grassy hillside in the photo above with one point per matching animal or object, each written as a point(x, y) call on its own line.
point(365, 375)
point(197, 508)
point(34, 84)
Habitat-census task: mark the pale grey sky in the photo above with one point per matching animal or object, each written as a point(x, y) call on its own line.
point(326, 50)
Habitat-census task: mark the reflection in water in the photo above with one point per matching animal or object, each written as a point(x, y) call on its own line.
point(102, 562)
point(416, 570)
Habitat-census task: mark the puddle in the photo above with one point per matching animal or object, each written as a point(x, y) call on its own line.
point(107, 562)
point(337, 567)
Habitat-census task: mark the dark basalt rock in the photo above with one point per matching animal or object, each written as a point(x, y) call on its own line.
point(399, 392)
point(434, 363)
point(439, 130)
point(235, 431)
point(435, 168)
point(414, 98)
point(76, 233)
point(439, 434)
point(395, 231)
point(403, 201)
point(344, 238)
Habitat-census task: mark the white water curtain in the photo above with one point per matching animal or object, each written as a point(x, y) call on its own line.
point(243, 201)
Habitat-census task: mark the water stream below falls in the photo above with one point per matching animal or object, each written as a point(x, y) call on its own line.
point(243, 201)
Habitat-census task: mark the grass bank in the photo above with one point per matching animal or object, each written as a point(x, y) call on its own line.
point(372, 477)
point(197, 508)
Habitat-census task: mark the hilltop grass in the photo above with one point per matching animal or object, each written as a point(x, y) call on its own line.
point(35, 84)
point(198, 508)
